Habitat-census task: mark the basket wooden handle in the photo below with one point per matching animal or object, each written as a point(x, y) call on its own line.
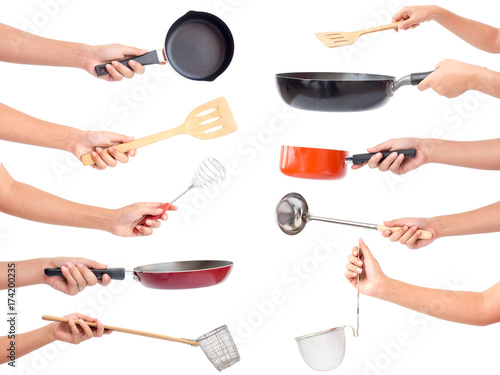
point(124, 330)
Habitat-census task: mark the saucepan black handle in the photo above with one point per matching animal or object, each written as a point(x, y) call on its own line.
point(114, 273)
point(147, 59)
point(416, 78)
point(363, 158)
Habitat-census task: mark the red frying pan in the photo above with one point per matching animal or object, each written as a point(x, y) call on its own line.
point(172, 275)
point(324, 164)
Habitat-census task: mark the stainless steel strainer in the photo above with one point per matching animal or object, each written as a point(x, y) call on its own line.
point(325, 350)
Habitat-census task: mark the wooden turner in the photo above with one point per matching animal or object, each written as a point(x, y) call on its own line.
point(209, 121)
point(125, 330)
point(339, 38)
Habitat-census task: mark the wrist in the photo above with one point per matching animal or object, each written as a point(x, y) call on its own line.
point(49, 333)
point(478, 78)
point(382, 287)
point(430, 149)
point(437, 13)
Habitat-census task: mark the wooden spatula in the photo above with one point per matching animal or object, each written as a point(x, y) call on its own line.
point(210, 120)
point(339, 38)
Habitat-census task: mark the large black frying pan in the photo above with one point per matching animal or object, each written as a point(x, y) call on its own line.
point(199, 46)
point(341, 92)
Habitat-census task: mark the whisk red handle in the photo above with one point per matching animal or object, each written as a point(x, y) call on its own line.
point(164, 207)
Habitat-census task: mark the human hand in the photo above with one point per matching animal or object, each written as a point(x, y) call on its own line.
point(77, 275)
point(126, 219)
point(98, 55)
point(73, 334)
point(451, 78)
point(414, 16)
point(409, 232)
point(362, 263)
point(96, 142)
point(395, 163)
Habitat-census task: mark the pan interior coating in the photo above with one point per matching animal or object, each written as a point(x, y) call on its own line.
point(184, 266)
point(196, 49)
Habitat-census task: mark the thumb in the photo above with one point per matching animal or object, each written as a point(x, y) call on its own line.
point(132, 51)
point(150, 211)
point(120, 138)
point(396, 222)
point(405, 24)
point(92, 264)
point(384, 146)
point(365, 251)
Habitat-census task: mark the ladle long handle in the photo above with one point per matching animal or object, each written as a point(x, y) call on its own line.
point(125, 330)
point(426, 235)
point(141, 142)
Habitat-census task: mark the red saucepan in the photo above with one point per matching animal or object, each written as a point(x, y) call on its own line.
point(324, 164)
point(172, 275)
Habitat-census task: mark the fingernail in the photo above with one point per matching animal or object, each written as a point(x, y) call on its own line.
point(69, 265)
point(159, 210)
point(149, 222)
point(405, 228)
point(354, 274)
point(359, 270)
point(131, 63)
point(98, 150)
point(111, 149)
point(64, 268)
point(360, 263)
point(394, 155)
point(115, 63)
point(94, 153)
point(79, 265)
point(414, 227)
point(419, 233)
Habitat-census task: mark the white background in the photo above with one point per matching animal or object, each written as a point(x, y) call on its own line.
point(236, 222)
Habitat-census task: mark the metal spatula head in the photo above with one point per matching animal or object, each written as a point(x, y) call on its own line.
point(219, 347)
point(211, 120)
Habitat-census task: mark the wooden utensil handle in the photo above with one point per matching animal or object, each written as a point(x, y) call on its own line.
point(141, 142)
point(426, 235)
point(381, 28)
point(125, 330)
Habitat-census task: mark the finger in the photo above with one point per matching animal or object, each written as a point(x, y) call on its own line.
point(120, 138)
point(357, 166)
point(397, 163)
point(75, 272)
point(354, 251)
point(153, 223)
point(412, 241)
point(132, 51)
point(395, 236)
point(86, 318)
point(144, 231)
point(374, 160)
point(72, 327)
point(106, 157)
point(87, 331)
point(123, 69)
point(164, 217)
point(72, 284)
point(132, 153)
point(99, 163)
point(396, 222)
point(92, 264)
point(114, 73)
point(99, 330)
point(350, 275)
point(354, 260)
point(387, 162)
point(409, 233)
point(353, 268)
point(426, 83)
point(384, 146)
point(118, 155)
point(136, 67)
point(150, 211)
point(172, 208)
point(87, 274)
point(105, 280)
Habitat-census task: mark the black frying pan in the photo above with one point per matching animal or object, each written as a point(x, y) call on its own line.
point(199, 46)
point(341, 92)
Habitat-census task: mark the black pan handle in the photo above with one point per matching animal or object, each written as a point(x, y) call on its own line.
point(147, 59)
point(411, 79)
point(114, 273)
point(416, 78)
point(363, 158)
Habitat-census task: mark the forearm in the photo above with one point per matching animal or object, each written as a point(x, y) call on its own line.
point(18, 127)
point(478, 34)
point(483, 220)
point(26, 342)
point(474, 154)
point(27, 272)
point(460, 307)
point(17, 46)
point(25, 201)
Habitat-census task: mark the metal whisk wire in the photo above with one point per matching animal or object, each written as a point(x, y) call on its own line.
point(210, 172)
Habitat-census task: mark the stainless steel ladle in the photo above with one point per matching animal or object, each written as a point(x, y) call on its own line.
point(292, 215)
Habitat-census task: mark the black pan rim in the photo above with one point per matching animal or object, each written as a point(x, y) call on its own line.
point(333, 77)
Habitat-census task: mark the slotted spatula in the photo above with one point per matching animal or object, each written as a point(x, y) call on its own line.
point(340, 38)
point(210, 120)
